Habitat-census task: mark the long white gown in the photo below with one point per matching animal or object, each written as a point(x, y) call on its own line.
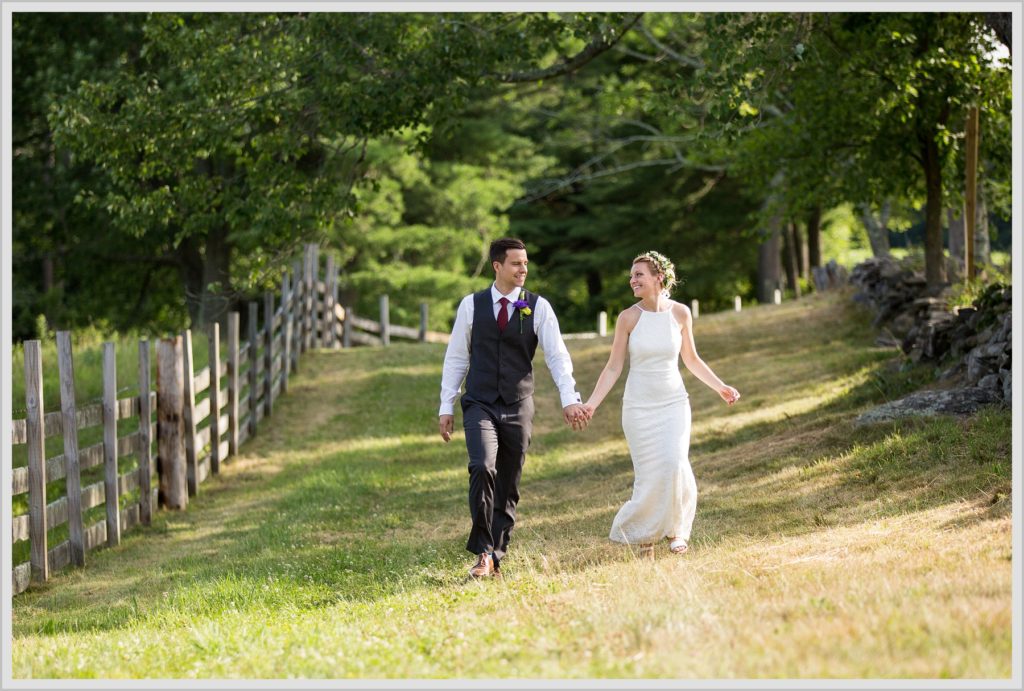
point(656, 422)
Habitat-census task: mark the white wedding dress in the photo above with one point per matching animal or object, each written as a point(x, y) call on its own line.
point(656, 422)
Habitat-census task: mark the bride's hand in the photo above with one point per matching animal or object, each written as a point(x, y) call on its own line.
point(729, 394)
point(590, 410)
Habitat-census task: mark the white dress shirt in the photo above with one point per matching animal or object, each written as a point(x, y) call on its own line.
point(545, 325)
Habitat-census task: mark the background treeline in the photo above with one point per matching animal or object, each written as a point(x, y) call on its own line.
point(168, 166)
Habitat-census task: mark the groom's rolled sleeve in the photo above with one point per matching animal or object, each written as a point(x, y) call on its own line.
point(556, 355)
point(456, 358)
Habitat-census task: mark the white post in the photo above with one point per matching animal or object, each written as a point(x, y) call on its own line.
point(695, 308)
point(778, 296)
point(737, 302)
point(602, 323)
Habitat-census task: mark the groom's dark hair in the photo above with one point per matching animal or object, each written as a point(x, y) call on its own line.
point(501, 246)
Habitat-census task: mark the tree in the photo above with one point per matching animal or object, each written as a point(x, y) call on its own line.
point(860, 107)
point(231, 138)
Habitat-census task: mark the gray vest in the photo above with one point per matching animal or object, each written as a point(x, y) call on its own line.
point(501, 362)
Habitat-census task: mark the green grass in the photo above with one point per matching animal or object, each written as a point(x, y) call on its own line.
point(332, 547)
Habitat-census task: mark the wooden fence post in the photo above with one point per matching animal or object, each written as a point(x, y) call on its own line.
point(191, 472)
point(737, 303)
point(254, 313)
point(695, 308)
point(334, 303)
point(72, 468)
point(233, 318)
point(145, 437)
point(329, 319)
point(602, 324)
point(215, 430)
point(297, 297)
point(309, 302)
point(423, 321)
point(110, 488)
point(777, 296)
point(346, 328)
point(36, 441)
point(170, 404)
point(286, 331)
point(385, 321)
point(317, 302)
point(268, 353)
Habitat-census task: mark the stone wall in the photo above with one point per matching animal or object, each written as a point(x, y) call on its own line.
point(971, 346)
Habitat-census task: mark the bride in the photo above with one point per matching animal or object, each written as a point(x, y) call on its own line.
point(656, 408)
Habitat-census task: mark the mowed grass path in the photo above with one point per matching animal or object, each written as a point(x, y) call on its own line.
point(333, 546)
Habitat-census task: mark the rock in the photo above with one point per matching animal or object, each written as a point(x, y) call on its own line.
point(959, 402)
point(985, 335)
point(956, 370)
point(1007, 387)
point(978, 366)
point(990, 381)
point(965, 313)
point(902, 324)
point(885, 339)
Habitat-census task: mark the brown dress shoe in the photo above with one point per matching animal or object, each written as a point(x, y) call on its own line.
point(483, 567)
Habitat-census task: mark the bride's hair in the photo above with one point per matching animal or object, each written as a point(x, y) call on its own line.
point(660, 265)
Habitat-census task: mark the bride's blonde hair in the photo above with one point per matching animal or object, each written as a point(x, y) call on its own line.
point(660, 266)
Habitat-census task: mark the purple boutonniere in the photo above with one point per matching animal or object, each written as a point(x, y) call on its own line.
point(524, 311)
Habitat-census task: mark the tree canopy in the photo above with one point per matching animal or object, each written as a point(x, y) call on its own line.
point(168, 165)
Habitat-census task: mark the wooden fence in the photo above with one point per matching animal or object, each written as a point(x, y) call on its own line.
point(193, 434)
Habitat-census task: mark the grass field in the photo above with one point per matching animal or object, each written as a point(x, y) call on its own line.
point(332, 546)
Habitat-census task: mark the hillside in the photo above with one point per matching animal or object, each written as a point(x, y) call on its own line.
point(332, 546)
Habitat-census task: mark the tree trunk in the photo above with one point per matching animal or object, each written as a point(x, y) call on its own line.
point(594, 290)
point(205, 270)
point(877, 228)
point(789, 258)
point(802, 264)
point(768, 264)
point(934, 259)
point(982, 243)
point(955, 229)
point(814, 237)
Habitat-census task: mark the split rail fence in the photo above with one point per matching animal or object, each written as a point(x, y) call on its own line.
point(193, 433)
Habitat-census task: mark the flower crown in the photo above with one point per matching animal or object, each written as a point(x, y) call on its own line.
point(662, 265)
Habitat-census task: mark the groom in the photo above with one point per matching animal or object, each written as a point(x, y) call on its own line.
point(494, 338)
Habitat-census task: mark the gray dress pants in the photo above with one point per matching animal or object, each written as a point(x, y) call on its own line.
point(497, 437)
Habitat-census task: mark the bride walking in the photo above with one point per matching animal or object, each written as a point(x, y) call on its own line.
point(656, 408)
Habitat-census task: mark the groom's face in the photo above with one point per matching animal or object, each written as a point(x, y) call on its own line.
point(512, 272)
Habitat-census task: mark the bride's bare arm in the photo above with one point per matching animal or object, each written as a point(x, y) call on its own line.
point(692, 360)
point(616, 359)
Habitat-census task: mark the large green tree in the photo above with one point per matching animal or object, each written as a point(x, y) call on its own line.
point(234, 137)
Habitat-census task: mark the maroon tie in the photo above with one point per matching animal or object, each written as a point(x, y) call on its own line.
point(503, 314)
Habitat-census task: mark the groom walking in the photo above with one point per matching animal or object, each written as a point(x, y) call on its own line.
point(494, 338)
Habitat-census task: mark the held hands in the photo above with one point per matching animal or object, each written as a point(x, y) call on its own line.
point(576, 416)
point(729, 394)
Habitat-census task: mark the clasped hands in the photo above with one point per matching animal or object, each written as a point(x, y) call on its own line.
point(577, 415)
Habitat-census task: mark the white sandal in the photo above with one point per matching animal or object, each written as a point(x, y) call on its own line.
point(677, 545)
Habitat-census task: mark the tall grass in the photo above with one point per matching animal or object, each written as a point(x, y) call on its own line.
point(333, 546)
